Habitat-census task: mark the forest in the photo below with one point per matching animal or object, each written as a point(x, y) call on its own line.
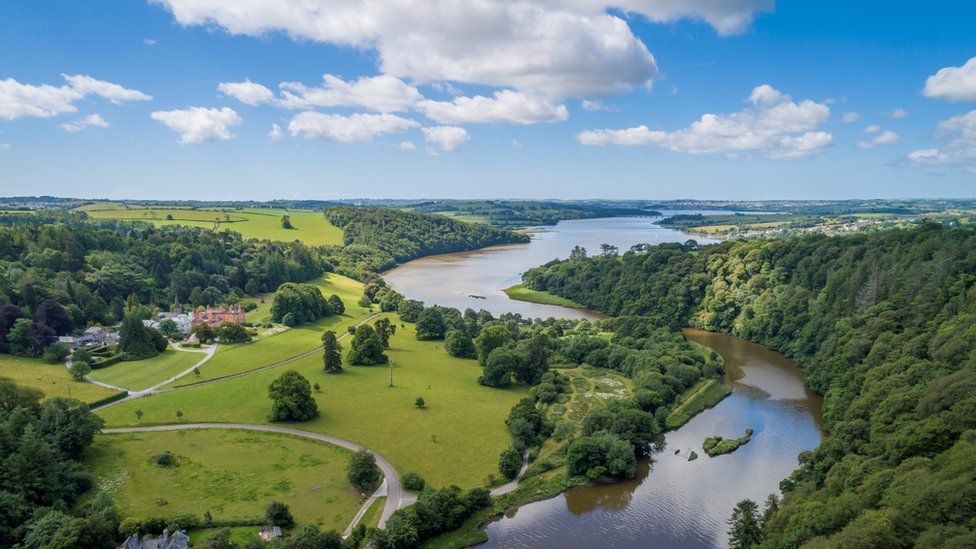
point(882, 324)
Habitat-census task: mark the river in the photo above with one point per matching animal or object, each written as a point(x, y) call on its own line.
point(672, 502)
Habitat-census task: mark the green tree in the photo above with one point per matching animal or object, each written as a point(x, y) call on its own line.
point(420, 403)
point(205, 334)
point(534, 354)
point(331, 353)
point(25, 338)
point(278, 514)
point(363, 472)
point(414, 482)
point(56, 352)
point(384, 330)
point(286, 222)
point(410, 310)
point(744, 527)
point(491, 337)
point(458, 343)
point(79, 369)
point(336, 304)
point(232, 332)
point(135, 339)
point(219, 540)
point(366, 348)
point(501, 363)
point(291, 398)
point(430, 324)
point(510, 462)
point(168, 328)
point(304, 302)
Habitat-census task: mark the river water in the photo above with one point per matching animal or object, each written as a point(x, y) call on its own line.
point(672, 502)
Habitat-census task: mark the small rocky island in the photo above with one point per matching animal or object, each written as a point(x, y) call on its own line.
point(716, 446)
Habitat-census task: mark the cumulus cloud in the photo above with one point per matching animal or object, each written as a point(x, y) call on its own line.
point(898, 113)
point(873, 128)
point(953, 83)
point(381, 93)
point(448, 138)
point(504, 106)
point(959, 132)
point(92, 120)
point(355, 128)
point(774, 126)
point(19, 100)
point(577, 47)
point(884, 138)
point(199, 124)
point(849, 117)
point(276, 134)
point(726, 17)
point(247, 92)
point(407, 146)
point(516, 144)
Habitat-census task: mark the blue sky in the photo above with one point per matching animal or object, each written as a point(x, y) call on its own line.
point(451, 98)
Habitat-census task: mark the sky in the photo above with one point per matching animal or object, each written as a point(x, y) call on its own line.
point(649, 99)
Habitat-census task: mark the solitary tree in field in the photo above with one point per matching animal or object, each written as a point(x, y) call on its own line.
point(336, 304)
point(419, 403)
point(179, 415)
point(363, 471)
point(291, 398)
point(331, 353)
point(744, 528)
point(286, 222)
point(138, 414)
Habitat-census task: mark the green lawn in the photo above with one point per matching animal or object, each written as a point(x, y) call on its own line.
point(522, 293)
point(704, 394)
point(455, 440)
point(239, 535)
point(143, 374)
point(310, 227)
point(234, 358)
point(52, 379)
point(232, 474)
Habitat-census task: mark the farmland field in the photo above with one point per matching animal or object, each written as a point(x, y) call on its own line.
point(142, 374)
point(52, 379)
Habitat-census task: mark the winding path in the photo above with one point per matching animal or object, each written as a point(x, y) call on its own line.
point(391, 484)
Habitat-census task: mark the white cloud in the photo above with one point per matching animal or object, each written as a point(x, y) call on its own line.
point(199, 124)
point(884, 138)
point(774, 127)
point(898, 113)
point(725, 16)
point(448, 138)
point(407, 146)
point(86, 85)
point(593, 106)
point(504, 106)
point(516, 144)
point(149, 41)
point(355, 128)
point(92, 120)
point(562, 49)
point(849, 117)
point(5, 146)
point(247, 92)
point(381, 93)
point(446, 87)
point(953, 83)
point(873, 128)
point(960, 149)
point(276, 134)
point(44, 101)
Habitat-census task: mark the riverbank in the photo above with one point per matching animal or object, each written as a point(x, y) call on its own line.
point(520, 292)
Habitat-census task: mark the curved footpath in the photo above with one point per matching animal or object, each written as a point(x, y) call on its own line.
point(391, 487)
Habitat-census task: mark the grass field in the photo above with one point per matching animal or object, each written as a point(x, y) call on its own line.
point(455, 440)
point(232, 474)
point(310, 227)
point(143, 374)
point(239, 535)
point(522, 293)
point(52, 379)
point(704, 394)
point(235, 358)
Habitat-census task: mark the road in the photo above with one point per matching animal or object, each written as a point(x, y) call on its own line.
point(394, 489)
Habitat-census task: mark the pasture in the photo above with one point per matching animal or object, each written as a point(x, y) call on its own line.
point(52, 379)
point(143, 374)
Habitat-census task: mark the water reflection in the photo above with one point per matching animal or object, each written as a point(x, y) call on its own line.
point(674, 502)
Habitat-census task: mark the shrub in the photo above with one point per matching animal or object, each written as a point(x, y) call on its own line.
point(419, 403)
point(164, 459)
point(278, 514)
point(56, 353)
point(509, 462)
point(414, 482)
point(363, 471)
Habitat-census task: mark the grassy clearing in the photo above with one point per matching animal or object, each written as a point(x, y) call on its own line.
point(234, 358)
point(521, 293)
point(704, 394)
point(52, 379)
point(310, 227)
point(455, 440)
point(239, 535)
point(232, 474)
point(143, 374)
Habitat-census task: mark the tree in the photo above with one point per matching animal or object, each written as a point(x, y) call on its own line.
point(458, 343)
point(430, 324)
point(168, 328)
point(410, 310)
point(219, 540)
point(336, 304)
point(139, 414)
point(420, 403)
point(499, 367)
point(304, 302)
point(744, 527)
point(291, 398)
point(51, 313)
point(311, 536)
point(772, 505)
point(79, 369)
point(56, 352)
point(232, 332)
point(491, 337)
point(363, 471)
point(366, 348)
point(600, 455)
point(205, 334)
point(510, 462)
point(331, 353)
point(28, 338)
point(81, 355)
point(413, 481)
point(534, 353)
point(286, 222)
point(278, 514)
point(384, 330)
point(135, 339)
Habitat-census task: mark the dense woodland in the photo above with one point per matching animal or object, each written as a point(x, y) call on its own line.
point(377, 239)
point(883, 324)
point(524, 213)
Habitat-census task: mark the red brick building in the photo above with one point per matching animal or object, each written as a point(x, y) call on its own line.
point(215, 316)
